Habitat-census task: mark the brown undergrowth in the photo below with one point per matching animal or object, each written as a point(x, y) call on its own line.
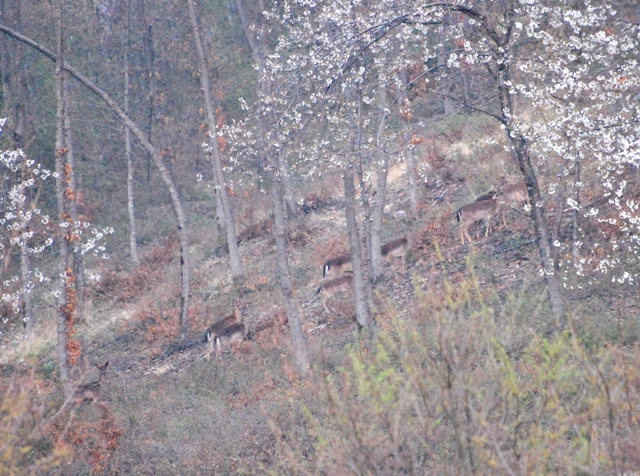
point(41, 432)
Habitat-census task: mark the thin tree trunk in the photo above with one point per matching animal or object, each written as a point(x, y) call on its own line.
point(133, 246)
point(449, 107)
point(149, 57)
point(523, 159)
point(298, 341)
point(287, 186)
point(164, 173)
point(382, 167)
point(405, 114)
point(232, 238)
point(72, 201)
point(542, 231)
point(364, 198)
point(63, 263)
point(362, 309)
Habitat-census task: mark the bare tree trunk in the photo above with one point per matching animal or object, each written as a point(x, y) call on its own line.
point(298, 341)
point(382, 168)
point(232, 238)
point(133, 246)
point(405, 114)
point(364, 198)
point(157, 159)
point(542, 233)
point(362, 308)
point(72, 185)
point(62, 304)
point(539, 219)
point(449, 106)
point(149, 57)
point(287, 186)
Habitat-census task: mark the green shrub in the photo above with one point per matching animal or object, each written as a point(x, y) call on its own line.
point(461, 390)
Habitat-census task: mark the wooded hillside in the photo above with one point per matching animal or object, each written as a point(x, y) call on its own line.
point(301, 237)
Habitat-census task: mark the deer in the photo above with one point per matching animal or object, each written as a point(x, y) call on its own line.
point(89, 390)
point(229, 335)
point(486, 196)
point(336, 266)
point(510, 195)
point(468, 214)
point(237, 318)
point(331, 287)
point(397, 248)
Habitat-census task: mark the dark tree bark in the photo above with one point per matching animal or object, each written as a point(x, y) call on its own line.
point(157, 159)
point(216, 155)
point(523, 158)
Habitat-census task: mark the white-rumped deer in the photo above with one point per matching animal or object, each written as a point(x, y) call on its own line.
point(229, 335)
point(397, 248)
point(336, 266)
point(468, 214)
point(333, 286)
point(217, 328)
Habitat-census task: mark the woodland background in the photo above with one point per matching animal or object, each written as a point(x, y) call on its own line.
point(164, 160)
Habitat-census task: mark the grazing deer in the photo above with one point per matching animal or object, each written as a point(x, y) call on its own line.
point(510, 195)
point(89, 390)
point(468, 214)
point(229, 335)
point(331, 287)
point(397, 248)
point(486, 196)
point(338, 265)
point(215, 329)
